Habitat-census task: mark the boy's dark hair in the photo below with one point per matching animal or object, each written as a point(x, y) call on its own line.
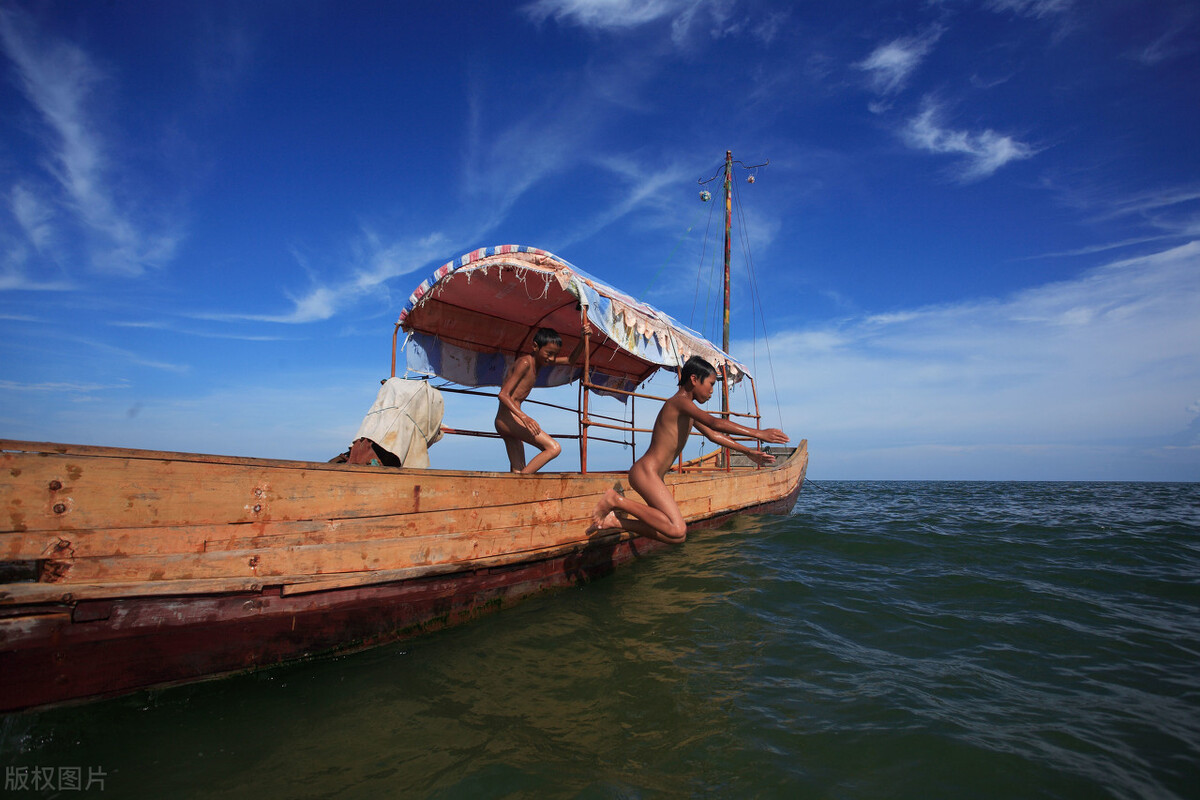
point(696, 366)
point(545, 336)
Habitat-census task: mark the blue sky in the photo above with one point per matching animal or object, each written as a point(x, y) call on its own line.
point(977, 243)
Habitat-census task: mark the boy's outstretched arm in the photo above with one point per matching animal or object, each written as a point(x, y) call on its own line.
point(703, 419)
point(720, 439)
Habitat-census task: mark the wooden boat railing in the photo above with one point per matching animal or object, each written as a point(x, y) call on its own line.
point(718, 460)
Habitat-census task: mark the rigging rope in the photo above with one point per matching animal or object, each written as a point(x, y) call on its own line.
point(671, 255)
point(714, 280)
point(712, 324)
point(703, 249)
point(757, 302)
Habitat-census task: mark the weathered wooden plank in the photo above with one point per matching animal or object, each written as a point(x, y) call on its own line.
point(59, 448)
point(508, 529)
point(384, 543)
point(31, 625)
point(16, 594)
point(359, 579)
point(697, 496)
point(272, 548)
point(71, 492)
point(33, 593)
point(324, 558)
point(266, 534)
point(64, 492)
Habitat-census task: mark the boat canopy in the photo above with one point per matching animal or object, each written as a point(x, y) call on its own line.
point(472, 316)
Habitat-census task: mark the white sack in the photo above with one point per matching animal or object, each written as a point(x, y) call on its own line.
point(404, 420)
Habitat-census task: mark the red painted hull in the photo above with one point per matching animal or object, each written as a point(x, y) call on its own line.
point(109, 647)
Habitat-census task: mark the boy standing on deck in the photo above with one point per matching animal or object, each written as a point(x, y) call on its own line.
point(662, 519)
point(516, 427)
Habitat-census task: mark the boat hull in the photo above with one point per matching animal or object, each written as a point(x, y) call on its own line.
point(106, 617)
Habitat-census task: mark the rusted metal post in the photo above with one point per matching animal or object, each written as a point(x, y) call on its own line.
point(395, 336)
point(725, 408)
point(633, 425)
point(757, 415)
point(679, 376)
point(584, 382)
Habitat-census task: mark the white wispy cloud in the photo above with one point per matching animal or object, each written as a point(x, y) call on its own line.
point(1152, 200)
point(123, 355)
point(16, 276)
point(20, 282)
point(61, 387)
point(499, 167)
point(188, 331)
point(375, 261)
point(769, 26)
point(1107, 246)
point(606, 14)
point(1162, 214)
point(378, 259)
point(714, 18)
point(1178, 39)
point(984, 152)
point(890, 65)
point(642, 187)
point(1107, 364)
point(32, 215)
point(1032, 8)
point(59, 79)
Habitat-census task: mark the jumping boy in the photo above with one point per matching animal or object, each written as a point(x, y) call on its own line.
point(662, 519)
point(516, 427)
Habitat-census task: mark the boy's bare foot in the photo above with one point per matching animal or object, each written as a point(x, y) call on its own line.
point(611, 522)
point(603, 515)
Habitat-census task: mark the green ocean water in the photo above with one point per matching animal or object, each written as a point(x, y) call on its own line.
point(983, 640)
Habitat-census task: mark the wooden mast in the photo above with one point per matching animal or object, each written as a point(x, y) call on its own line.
point(584, 382)
point(725, 312)
point(726, 290)
point(728, 225)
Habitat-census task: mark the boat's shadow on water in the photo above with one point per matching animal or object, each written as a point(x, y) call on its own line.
point(573, 668)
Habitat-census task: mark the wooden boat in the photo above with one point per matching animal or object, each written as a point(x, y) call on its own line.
point(123, 569)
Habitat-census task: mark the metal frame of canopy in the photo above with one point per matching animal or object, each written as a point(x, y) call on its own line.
point(474, 315)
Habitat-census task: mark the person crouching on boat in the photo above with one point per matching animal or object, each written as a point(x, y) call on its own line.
point(662, 519)
point(516, 427)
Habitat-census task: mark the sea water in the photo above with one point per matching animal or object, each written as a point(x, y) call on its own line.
point(982, 640)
